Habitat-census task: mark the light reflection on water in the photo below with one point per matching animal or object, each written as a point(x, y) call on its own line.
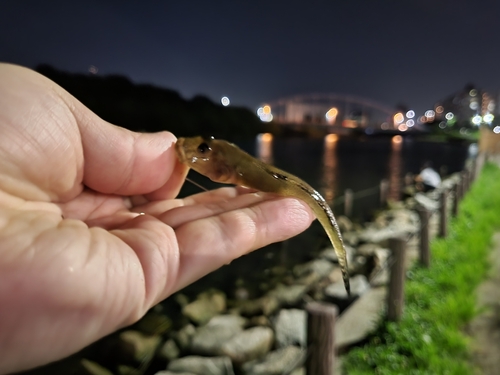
point(328, 185)
point(395, 168)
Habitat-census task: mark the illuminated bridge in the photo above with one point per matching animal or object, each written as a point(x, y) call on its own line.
point(334, 113)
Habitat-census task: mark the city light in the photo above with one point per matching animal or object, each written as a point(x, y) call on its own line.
point(398, 118)
point(430, 114)
point(488, 118)
point(265, 114)
point(449, 116)
point(476, 120)
point(331, 115)
point(496, 129)
point(410, 114)
point(225, 101)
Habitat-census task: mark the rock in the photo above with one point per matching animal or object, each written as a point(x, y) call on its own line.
point(311, 272)
point(377, 234)
point(169, 350)
point(344, 223)
point(184, 336)
point(335, 275)
point(260, 320)
point(351, 238)
point(173, 373)
point(330, 254)
point(289, 295)
point(154, 323)
point(367, 249)
point(92, 368)
point(281, 361)
point(319, 268)
point(202, 365)
point(266, 305)
point(359, 285)
point(209, 339)
point(426, 202)
point(290, 328)
point(249, 344)
point(137, 346)
point(206, 306)
point(361, 318)
point(181, 299)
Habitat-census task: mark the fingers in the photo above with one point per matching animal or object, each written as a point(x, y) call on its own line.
point(208, 243)
point(125, 163)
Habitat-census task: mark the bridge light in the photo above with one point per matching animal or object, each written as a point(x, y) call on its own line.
point(331, 115)
point(398, 118)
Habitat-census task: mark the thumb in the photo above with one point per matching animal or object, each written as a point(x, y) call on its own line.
point(119, 161)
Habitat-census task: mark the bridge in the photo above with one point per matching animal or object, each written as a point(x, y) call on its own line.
point(331, 112)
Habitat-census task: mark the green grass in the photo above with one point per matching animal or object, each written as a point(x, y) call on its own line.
point(440, 300)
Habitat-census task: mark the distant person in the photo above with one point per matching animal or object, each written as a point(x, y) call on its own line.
point(428, 179)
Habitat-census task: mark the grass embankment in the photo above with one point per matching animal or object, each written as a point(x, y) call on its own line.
point(440, 300)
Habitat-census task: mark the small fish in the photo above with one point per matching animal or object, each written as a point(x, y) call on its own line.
point(224, 162)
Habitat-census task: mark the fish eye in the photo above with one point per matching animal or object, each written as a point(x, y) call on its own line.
point(203, 147)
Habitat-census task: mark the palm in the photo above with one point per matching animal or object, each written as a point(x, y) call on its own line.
point(90, 233)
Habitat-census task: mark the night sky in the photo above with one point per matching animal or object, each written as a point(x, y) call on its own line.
point(410, 52)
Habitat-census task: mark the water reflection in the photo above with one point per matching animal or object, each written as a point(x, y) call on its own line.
point(395, 168)
point(264, 147)
point(330, 167)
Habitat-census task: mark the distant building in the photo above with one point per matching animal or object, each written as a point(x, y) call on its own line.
point(468, 107)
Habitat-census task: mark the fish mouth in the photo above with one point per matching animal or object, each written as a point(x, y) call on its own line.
point(179, 150)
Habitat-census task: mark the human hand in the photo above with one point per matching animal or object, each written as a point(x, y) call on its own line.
point(91, 236)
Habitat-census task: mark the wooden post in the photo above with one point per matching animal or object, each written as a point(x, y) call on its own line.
point(443, 213)
point(348, 199)
point(465, 179)
point(395, 301)
point(473, 169)
point(457, 192)
point(320, 338)
point(384, 191)
point(425, 255)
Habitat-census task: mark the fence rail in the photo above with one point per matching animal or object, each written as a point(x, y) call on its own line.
point(321, 317)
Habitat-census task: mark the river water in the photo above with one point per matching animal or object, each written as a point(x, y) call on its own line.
point(331, 165)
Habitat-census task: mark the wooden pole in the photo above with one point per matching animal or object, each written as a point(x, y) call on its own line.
point(348, 201)
point(443, 214)
point(395, 296)
point(384, 191)
point(320, 338)
point(465, 179)
point(425, 255)
point(457, 192)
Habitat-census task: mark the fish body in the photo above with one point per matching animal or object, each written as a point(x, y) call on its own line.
point(224, 162)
